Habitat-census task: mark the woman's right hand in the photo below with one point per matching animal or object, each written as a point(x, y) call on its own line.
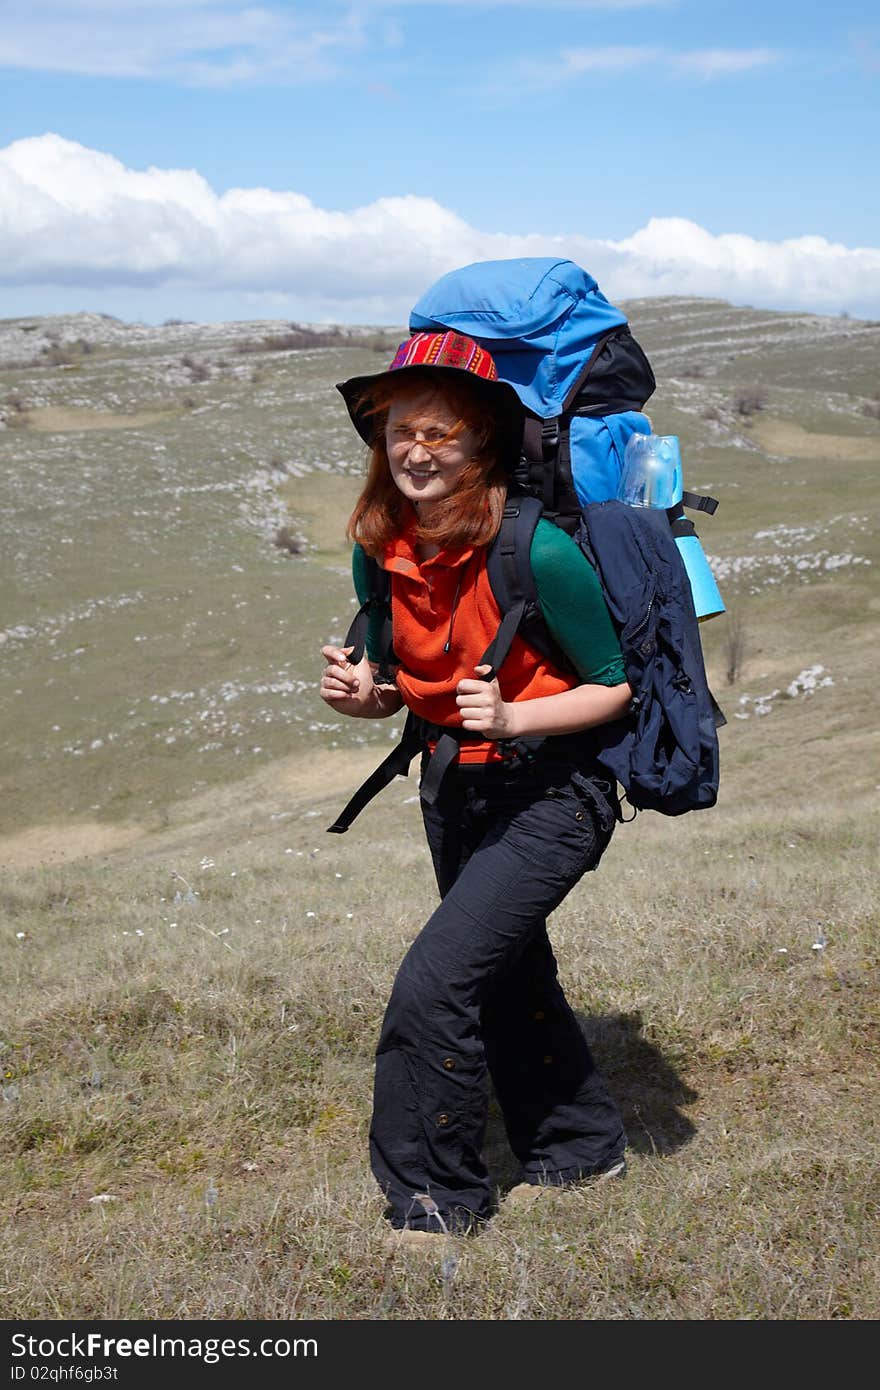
point(349, 689)
point(353, 689)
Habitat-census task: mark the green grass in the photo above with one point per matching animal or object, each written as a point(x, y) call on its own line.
point(196, 973)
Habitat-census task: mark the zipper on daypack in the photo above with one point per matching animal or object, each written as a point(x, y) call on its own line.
point(636, 632)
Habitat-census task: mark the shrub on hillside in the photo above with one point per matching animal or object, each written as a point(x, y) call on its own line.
point(56, 356)
point(198, 371)
point(749, 401)
point(13, 412)
point(286, 539)
point(735, 646)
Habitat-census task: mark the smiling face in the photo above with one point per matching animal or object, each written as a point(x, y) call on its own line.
point(428, 446)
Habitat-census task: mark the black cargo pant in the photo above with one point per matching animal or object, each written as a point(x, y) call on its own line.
point(478, 991)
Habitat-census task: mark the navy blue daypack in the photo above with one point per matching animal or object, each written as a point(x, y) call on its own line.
point(665, 752)
point(584, 379)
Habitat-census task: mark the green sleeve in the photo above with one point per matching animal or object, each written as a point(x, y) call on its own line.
point(574, 606)
point(360, 575)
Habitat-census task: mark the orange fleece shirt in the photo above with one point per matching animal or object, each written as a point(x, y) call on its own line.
point(444, 616)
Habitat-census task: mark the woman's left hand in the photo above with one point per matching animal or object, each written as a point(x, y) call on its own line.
point(482, 709)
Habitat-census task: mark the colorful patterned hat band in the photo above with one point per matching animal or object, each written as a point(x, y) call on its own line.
point(445, 350)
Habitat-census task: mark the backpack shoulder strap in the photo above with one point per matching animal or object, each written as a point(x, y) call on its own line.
point(378, 600)
point(507, 563)
point(395, 765)
point(509, 567)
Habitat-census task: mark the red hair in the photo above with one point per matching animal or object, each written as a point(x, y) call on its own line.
point(471, 515)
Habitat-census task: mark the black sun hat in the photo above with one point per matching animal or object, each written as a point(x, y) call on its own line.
point(449, 355)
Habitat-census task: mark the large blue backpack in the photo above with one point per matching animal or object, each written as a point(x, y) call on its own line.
point(583, 379)
point(573, 361)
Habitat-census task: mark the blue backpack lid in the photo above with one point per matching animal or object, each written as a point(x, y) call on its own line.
point(538, 316)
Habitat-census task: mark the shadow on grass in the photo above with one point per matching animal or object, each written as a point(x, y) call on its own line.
point(645, 1085)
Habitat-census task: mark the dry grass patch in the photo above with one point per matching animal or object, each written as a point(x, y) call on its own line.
point(791, 440)
point(52, 419)
point(323, 504)
point(54, 844)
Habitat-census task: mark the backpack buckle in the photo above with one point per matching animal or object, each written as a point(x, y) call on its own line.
point(550, 438)
point(516, 751)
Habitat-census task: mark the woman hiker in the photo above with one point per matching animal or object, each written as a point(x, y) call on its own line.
point(477, 991)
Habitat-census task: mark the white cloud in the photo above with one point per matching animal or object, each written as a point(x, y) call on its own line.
point(195, 42)
point(76, 217)
point(665, 64)
point(217, 43)
point(612, 58)
point(722, 62)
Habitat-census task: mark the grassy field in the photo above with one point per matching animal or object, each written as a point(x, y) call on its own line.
point(196, 972)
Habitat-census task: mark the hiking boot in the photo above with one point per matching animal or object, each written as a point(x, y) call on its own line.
point(616, 1168)
point(525, 1194)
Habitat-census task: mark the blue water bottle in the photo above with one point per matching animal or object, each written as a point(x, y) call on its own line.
point(652, 477)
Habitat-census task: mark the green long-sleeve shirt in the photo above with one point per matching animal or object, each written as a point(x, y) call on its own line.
point(571, 602)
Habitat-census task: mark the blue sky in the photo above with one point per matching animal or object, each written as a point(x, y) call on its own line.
point(219, 159)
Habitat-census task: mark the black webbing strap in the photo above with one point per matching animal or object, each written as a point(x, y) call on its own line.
point(356, 637)
point(446, 748)
point(697, 502)
point(549, 451)
point(496, 653)
point(508, 580)
point(444, 755)
point(717, 712)
point(504, 548)
point(508, 562)
point(395, 765)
